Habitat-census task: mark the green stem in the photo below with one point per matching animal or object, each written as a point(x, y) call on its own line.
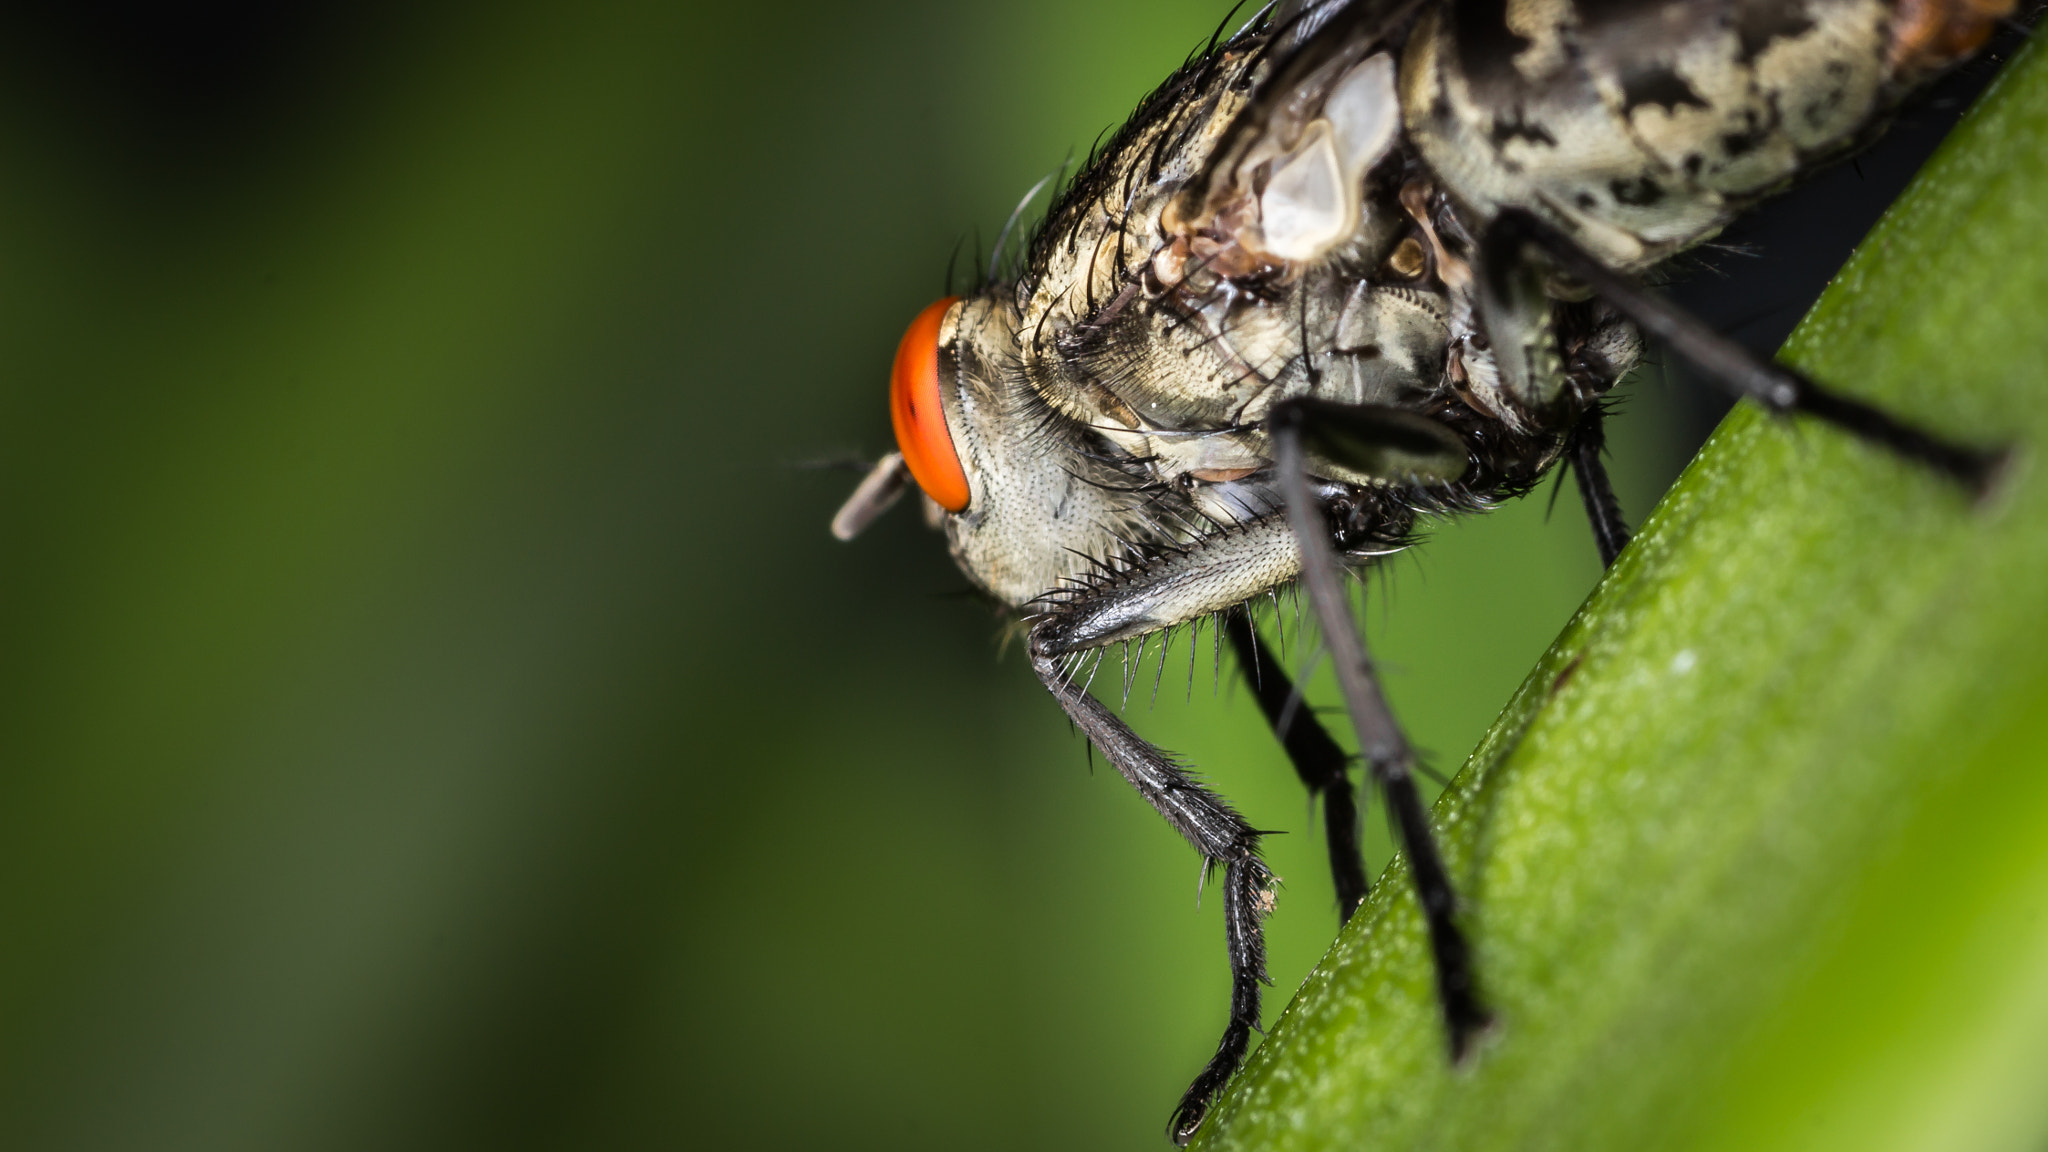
point(1757, 857)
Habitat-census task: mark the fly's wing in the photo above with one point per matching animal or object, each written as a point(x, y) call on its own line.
point(1310, 47)
point(1368, 443)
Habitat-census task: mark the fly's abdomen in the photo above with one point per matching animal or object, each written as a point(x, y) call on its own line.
point(1643, 126)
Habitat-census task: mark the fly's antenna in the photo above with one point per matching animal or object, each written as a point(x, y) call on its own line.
point(995, 256)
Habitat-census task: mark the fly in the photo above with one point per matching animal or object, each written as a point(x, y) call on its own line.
point(1362, 261)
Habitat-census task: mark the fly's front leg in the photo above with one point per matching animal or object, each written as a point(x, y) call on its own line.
point(1380, 740)
point(1209, 575)
point(1588, 442)
point(1215, 829)
point(1515, 236)
point(1318, 760)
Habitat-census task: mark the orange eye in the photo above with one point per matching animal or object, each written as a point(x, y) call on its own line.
point(920, 422)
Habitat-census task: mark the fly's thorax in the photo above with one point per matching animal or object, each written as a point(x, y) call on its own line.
point(1643, 126)
point(1183, 394)
point(1164, 318)
point(1219, 241)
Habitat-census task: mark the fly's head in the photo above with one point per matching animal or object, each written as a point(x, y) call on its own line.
point(1047, 492)
point(1024, 494)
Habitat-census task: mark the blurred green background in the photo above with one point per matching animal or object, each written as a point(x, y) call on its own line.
point(435, 715)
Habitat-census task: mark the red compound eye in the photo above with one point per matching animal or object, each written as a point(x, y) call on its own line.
point(920, 422)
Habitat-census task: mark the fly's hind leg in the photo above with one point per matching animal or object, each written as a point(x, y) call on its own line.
point(1385, 749)
point(1317, 758)
point(1516, 237)
point(1584, 448)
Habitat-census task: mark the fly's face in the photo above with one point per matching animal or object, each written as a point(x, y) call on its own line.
point(1028, 495)
point(1026, 500)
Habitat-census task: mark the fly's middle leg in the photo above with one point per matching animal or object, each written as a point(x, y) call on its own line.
point(1585, 448)
point(1318, 759)
point(1384, 747)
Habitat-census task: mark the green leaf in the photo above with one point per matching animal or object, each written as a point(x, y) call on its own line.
point(1757, 857)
